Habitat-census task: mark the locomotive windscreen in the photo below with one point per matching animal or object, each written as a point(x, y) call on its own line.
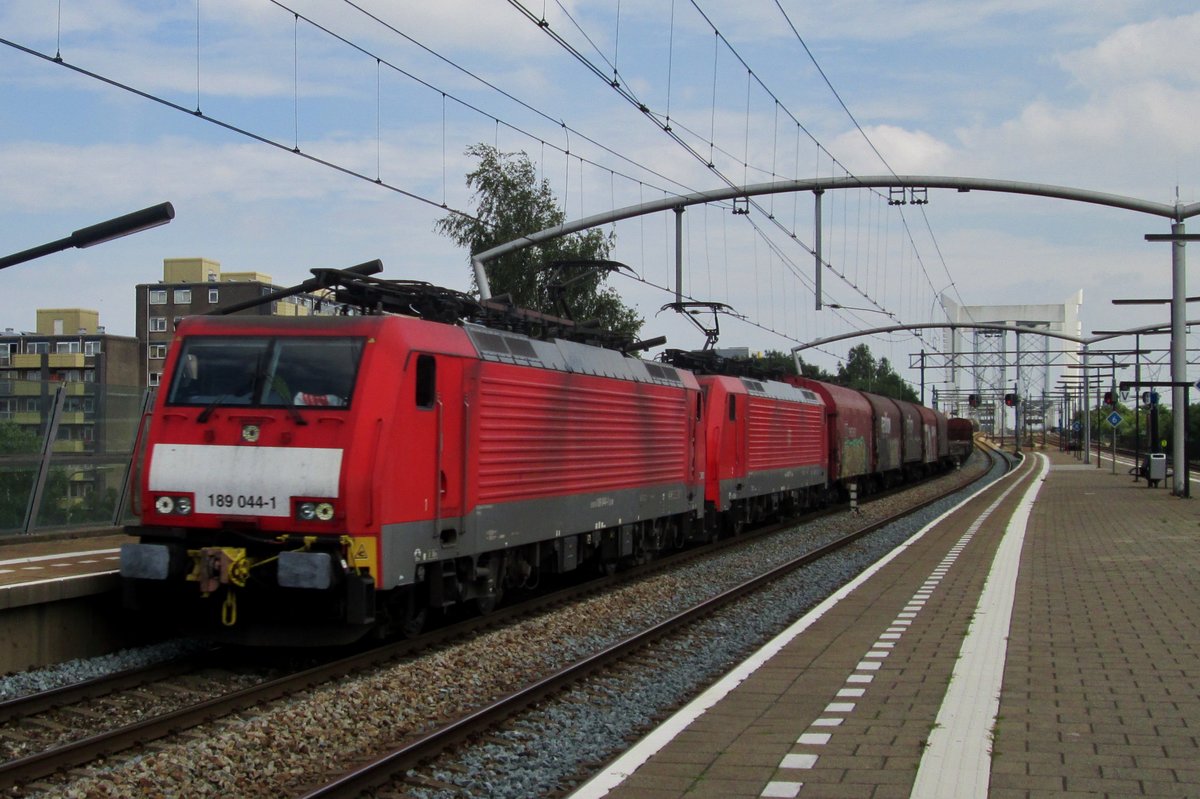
point(262, 371)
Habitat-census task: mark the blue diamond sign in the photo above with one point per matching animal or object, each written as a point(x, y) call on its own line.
point(1115, 419)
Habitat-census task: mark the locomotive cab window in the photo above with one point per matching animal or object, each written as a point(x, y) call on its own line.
point(426, 381)
point(732, 408)
point(266, 372)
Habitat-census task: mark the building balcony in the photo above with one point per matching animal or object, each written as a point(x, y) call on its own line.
point(27, 361)
point(57, 360)
point(66, 446)
point(27, 417)
point(67, 360)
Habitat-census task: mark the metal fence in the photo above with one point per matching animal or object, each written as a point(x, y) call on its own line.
point(65, 454)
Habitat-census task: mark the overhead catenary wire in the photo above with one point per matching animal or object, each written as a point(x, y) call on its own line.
point(233, 128)
point(623, 89)
point(444, 96)
point(295, 148)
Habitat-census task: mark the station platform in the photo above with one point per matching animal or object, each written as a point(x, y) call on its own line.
point(44, 568)
point(1041, 639)
point(59, 598)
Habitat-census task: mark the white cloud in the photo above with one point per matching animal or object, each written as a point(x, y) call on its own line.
point(1158, 51)
point(1132, 132)
point(911, 152)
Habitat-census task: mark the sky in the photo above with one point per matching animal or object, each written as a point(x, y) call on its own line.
point(205, 103)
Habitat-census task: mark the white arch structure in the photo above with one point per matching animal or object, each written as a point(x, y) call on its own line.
point(1176, 212)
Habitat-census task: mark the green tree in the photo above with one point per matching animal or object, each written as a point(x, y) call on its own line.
point(16, 440)
point(784, 363)
point(775, 362)
point(861, 371)
point(511, 202)
point(16, 481)
point(811, 370)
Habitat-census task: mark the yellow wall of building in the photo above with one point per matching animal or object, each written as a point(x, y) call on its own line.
point(246, 277)
point(66, 321)
point(190, 270)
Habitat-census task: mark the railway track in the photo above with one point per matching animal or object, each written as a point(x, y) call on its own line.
point(40, 766)
point(395, 766)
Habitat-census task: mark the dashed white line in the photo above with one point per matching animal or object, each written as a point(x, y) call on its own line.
point(798, 761)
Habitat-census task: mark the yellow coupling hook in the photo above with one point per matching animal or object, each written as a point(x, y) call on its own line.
point(229, 609)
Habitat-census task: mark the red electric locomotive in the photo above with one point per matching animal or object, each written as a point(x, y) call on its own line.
point(306, 480)
point(767, 450)
point(309, 479)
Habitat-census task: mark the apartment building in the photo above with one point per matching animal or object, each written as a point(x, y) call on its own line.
point(69, 349)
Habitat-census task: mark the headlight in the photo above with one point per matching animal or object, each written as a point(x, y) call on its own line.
point(311, 510)
point(179, 506)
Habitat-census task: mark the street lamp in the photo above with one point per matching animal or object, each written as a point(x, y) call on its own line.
point(856, 308)
point(136, 222)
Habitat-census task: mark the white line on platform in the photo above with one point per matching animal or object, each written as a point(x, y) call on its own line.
point(956, 763)
point(61, 556)
point(656, 739)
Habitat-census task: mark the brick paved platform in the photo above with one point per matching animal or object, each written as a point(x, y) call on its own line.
point(1040, 640)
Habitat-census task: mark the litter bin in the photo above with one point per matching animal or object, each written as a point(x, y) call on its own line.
point(1156, 468)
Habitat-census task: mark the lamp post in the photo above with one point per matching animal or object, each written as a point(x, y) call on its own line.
point(125, 225)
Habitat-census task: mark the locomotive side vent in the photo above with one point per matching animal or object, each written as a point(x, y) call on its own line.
point(664, 373)
point(496, 344)
point(521, 348)
point(489, 342)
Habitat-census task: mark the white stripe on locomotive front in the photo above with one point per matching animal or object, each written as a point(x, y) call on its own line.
point(270, 476)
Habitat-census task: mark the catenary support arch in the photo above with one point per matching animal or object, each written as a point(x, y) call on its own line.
point(1176, 212)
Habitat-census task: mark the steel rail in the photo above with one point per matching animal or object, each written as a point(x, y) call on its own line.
point(20, 707)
